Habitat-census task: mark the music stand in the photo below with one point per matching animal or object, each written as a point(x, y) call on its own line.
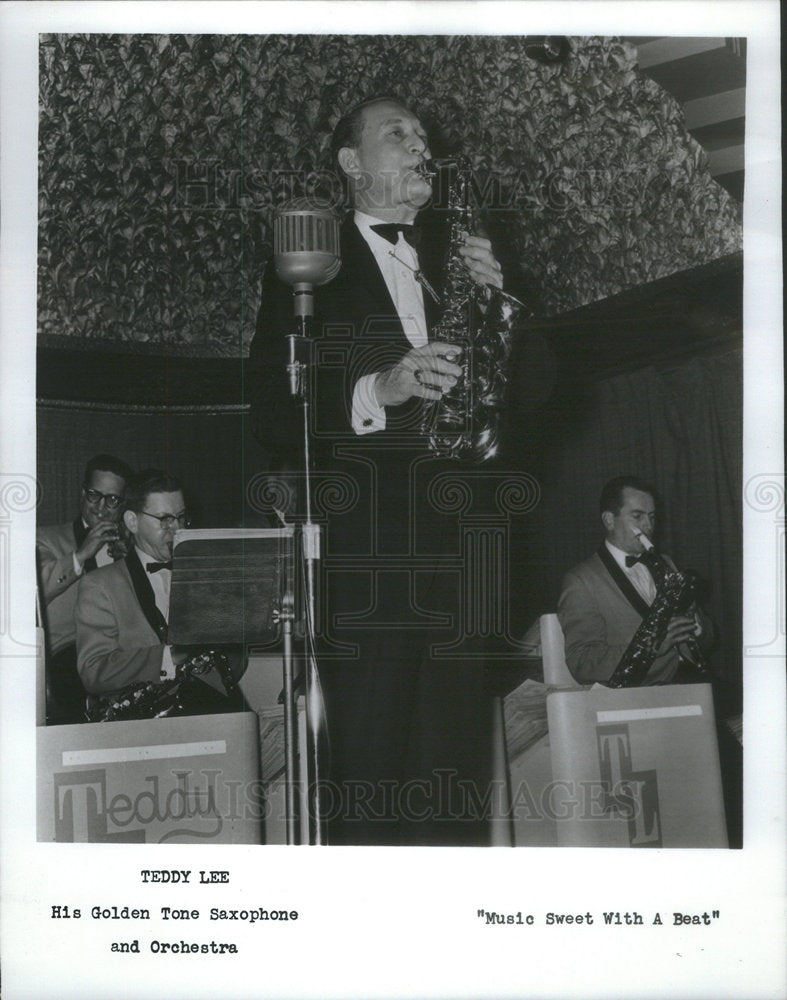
point(236, 585)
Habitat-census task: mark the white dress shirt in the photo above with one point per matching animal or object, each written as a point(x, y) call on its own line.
point(638, 574)
point(398, 264)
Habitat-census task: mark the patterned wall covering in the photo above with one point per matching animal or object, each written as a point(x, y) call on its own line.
point(162, 159)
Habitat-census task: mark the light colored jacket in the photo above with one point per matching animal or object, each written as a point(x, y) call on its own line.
point(55, 547)
point(599, 622)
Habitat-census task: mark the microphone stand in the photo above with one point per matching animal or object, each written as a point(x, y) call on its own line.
point(306, 253)
point(310, 541)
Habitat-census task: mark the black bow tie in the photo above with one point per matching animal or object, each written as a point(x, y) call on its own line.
point(390, 231)
point(154, 567)
point(632, 561)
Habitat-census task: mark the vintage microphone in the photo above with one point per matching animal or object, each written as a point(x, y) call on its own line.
point(306, 254)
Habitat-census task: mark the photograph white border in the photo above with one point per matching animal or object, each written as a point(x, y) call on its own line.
point(382, 922)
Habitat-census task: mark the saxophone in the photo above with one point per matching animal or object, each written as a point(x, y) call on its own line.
point(675, 593)
point(151, 700)
point(464, 423)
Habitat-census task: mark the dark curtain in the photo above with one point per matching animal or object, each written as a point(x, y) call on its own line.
point(208, 451)
point(680, 429)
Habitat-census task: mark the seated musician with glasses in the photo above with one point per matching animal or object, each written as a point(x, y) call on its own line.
point(122, 610)
point(66, 552)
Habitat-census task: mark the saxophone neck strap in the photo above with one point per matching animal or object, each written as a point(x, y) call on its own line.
point(627, 588)
point(419, 276)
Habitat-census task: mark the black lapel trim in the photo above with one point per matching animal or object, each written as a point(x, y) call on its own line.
point(628, 589)
point(145, 596)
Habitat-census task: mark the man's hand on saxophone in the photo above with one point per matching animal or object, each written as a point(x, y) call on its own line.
point(476, 251)
point(681, 628)
point(426, 371)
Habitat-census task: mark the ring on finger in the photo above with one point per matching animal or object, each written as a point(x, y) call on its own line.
point(417, 375)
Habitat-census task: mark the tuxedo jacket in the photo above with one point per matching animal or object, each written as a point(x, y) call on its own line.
point(356, 331)
point(120, 632)
point(599, 622)
point(55, 548)
point(385, 699)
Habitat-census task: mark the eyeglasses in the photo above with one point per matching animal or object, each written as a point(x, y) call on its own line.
point(112, 500)
point(169, 521)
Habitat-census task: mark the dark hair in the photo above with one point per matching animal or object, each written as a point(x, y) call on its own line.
point(612, 495)
point(347, 131)
point(148, 481)
point(107, 463)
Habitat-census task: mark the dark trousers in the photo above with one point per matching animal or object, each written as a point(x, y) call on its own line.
point(65, 695)
point(410, 733)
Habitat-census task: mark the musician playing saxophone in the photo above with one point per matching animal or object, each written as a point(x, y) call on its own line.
point(122, 609)
point(606, 598)
point(397, 717)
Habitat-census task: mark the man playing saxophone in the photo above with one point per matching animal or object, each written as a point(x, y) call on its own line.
point(611, 598)
point(398, 718)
